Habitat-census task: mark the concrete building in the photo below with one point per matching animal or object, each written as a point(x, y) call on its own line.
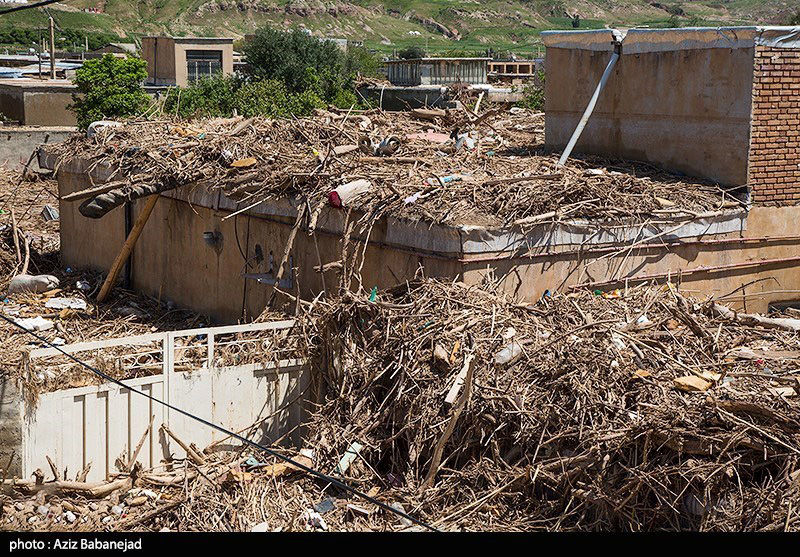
point(437, 71)
point(696, 101)
point(182, 60)
point(515, 69)
point(719, 103)
point(37, 102)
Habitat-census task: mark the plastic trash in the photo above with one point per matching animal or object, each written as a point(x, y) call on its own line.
point(388, 146)
point(345, 193)
point(35, 323)
point(83, 285)
point(32, 283)
point(49, 213)
point(444, 179)
point(70, 517)
point(509, 353)
point(465, 141)
point(314, 520)
point(95, 127)
point(325, 506)
point(64, 303)
point(412, 198)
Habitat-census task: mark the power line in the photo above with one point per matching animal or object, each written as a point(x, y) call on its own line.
point(221, 429)
point(28, 6)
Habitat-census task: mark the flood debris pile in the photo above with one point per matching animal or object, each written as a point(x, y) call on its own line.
point(444, 166)
point(58, 303)
point(65, 314)
point(30, 236)
point(642, 412)
point(633, 410)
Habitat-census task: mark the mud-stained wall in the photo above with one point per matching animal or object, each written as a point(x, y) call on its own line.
point(747, 283)
point(686, 110)
point(172, 260)
point(751, 261)
point(34, 105)
point(17, 143)
point(86, 243)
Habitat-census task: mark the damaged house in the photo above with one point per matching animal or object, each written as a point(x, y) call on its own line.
point(438, 224)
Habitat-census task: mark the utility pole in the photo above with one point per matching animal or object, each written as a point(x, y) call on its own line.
point(52, 49)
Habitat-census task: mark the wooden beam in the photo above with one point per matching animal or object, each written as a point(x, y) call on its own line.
point(127, 247)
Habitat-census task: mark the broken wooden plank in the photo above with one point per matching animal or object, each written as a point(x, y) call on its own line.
point(452, 394)
point(692, 383)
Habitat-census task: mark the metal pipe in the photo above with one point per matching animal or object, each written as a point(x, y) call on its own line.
point(589, 108)
point(52, 49)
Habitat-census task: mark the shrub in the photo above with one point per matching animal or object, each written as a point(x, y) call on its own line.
point(411, 52)
point(207, 97)
point(109, 87)
point(225, 96)
point(533, 95)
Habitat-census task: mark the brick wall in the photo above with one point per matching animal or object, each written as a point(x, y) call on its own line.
point(774, 163)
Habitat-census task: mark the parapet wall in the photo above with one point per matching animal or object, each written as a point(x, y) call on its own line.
point(680, 100)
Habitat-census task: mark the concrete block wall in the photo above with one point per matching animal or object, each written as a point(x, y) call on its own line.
point(10, 427)
point(774, 162)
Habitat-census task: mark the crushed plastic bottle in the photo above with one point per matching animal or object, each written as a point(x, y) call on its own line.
point(509, 353)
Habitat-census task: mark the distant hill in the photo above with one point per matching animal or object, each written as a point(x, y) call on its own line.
point(442, 25)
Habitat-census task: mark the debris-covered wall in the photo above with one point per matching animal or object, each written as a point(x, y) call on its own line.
point(173, 262)
point(775, 137)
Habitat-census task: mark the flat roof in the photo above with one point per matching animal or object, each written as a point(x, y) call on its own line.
point(193, 39)
point(639, 40)
point(438, 60)
point(33, 83)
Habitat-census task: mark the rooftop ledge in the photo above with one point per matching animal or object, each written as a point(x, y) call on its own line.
point(461, 241)
point(637, 41)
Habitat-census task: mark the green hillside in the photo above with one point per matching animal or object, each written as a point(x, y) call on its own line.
point(457, 26)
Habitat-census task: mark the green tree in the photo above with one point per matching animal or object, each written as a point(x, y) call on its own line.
point(288, 57)
point(307, 65)
point(109, 87)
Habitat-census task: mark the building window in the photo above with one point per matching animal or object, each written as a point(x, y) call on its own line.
point(203, 63)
